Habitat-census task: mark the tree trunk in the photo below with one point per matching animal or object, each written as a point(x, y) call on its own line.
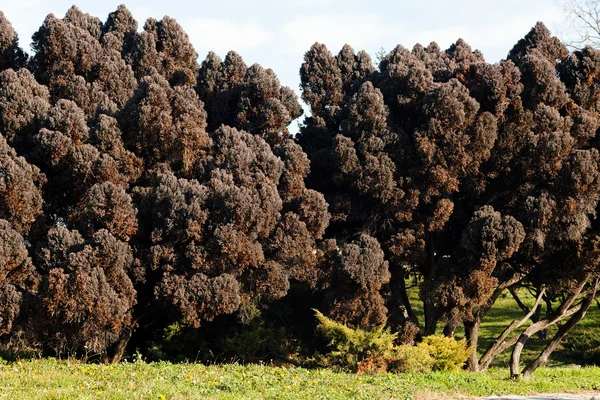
point(517, 299)
point(450, 328)
point(502, 342)
point(562, 332)
point(515, 357)
point(564, 311)
point(117, 350)
point(429, 308)
point(535, 315)
point(472, 335)
point(548, 301)
point(398, 301)
point(431, 317)
point(520, 344)
point(406, 301)
point(494, 350)
point(472, 325)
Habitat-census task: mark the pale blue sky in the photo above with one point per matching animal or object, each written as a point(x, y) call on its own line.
point(277, 33)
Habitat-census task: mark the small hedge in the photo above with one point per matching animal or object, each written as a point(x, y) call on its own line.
point(448, 353)
point(411, 359)
point(374, 350)
point(351, 347)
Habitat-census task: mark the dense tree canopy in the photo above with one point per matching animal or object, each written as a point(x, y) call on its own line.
point(476, 176)
point(142, 191)
point(122, 194)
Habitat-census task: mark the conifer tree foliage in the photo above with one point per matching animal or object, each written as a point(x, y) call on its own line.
point(20, 189)
point(162, 46)
point(123, 193)
point(79, 59)
point(476, 176)
point(165, 124)
point(248, 98)
point(139, 187)
point(23, 106)
point(18, 278)
point(87, 293)
point(354, 277)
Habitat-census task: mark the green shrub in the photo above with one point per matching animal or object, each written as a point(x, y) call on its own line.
point(448, 353)
point(351, 346)
point(411, 359)
point(373, 350)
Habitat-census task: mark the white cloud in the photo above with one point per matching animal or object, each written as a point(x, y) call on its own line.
point(221, 36)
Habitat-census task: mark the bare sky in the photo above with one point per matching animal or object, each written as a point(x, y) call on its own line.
point(276, 33)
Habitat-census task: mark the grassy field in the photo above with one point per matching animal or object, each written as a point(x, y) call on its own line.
point(49, 379)
point(52, 379)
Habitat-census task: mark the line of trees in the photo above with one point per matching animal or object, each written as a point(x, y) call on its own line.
point(140, 188)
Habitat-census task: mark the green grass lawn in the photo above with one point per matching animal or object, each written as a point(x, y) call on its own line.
point(49, 379)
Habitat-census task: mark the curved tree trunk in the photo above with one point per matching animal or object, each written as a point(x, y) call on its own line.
point(429, 309)
point(535, 316)
point(406, 301)
point(116, 352)
point(562, 332)
point(398, 301)
point(502, 342)
point(472, 325)
point(450, 328)
point(564, 311)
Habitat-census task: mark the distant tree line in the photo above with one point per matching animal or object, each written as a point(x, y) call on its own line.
point(142, 192)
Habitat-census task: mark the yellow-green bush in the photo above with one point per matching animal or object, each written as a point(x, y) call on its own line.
point(448, 353)
point(373, 350)
point(411, 359)
point(351, 346)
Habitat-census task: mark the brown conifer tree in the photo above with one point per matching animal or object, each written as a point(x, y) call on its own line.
point(11, 55)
